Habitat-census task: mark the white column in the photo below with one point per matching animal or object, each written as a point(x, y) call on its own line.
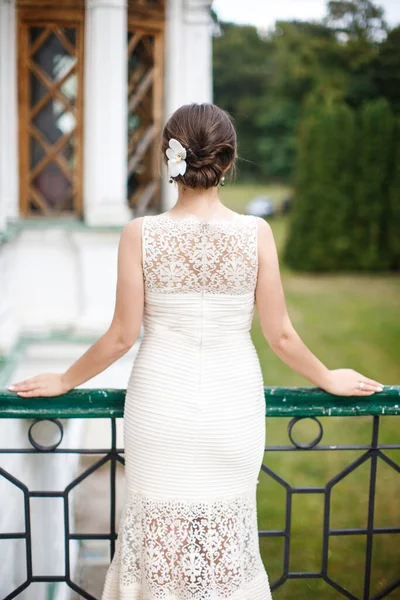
point(8, 114)
point(105, 124)
point(198, 50)
point(188, 64)
point(174, 78)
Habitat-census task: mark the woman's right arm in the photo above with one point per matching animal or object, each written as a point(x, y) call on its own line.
point(281, 335)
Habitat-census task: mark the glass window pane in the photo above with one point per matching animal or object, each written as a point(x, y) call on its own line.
point(53, 121)
point(53, 185)
point(70, 88)
point(70, 34)
point(53, 58)
point(34, 33)
point(37, 152)
point(37, 90)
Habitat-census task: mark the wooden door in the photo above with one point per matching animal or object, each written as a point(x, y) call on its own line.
point(50, 112)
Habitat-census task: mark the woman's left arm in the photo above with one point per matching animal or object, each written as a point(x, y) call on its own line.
point(121, 334)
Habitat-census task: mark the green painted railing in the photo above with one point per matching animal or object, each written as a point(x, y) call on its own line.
point(293, 402)
point(279, 402)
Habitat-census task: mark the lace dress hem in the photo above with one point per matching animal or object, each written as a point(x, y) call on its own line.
point(187, 550)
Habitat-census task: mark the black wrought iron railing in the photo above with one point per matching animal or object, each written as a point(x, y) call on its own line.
point(298, 404)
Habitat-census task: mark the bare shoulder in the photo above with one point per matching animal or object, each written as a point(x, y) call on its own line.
point(264, 228)
point(267, 250)
point(133, 229)
point(265, 234)
point(130, 242)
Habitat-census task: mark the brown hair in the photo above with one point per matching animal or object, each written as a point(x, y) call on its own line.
point(207, 133)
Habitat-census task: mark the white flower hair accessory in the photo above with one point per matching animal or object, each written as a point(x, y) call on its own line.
point(176, 154)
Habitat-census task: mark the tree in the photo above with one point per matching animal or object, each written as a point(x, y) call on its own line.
point(360, 27)
point(265, 81)
point(346, 213)
point(277, 145)
point(241, 84)
point(373, 172)
point(357, 19)
point(393, 215)
point(306, 58)
point(388, 69)
point(318, 239)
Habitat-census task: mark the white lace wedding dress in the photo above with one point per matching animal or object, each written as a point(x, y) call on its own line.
point(194, 425)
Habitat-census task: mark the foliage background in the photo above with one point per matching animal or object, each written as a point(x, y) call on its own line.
point(266, 80)
point(317, 109)
point(317, 106)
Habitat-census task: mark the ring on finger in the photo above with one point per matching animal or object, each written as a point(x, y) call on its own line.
point(361, 385)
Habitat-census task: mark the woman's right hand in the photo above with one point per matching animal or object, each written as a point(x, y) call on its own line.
point(346, 382)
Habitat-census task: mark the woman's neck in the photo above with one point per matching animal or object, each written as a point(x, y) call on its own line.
point(200, 202)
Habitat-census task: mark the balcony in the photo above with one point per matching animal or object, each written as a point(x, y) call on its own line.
point(328, 526)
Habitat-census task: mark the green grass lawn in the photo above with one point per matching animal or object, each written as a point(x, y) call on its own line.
point(347, 321)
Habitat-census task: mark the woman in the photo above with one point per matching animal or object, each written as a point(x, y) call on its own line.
point(194, 425)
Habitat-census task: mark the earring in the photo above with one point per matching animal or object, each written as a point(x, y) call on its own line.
point(171, 180)
point(222, 180)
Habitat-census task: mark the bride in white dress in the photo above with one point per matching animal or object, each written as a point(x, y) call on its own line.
point(194, 421)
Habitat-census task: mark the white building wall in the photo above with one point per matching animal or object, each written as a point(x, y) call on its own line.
point(8, 114)
point(8, 164)
point(81, 264)
point(64, 279)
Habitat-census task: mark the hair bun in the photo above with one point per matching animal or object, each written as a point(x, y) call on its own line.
point(209, 137)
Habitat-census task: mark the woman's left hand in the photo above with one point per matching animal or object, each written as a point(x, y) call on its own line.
point(46, 384)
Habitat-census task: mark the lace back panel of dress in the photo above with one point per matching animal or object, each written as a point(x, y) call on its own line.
point(190, 255)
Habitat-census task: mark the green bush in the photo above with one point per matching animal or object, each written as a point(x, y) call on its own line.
point(371, 199)
point(393, 220)
point(318, 238)
point(346, 190)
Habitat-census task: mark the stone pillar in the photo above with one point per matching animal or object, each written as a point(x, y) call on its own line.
point(8, 114)
point(188, 63)
point(198, 50)
point(105, 165)
point(9, 207)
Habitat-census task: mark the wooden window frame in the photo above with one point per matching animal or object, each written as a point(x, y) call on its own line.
point(150, 20)
point(40, 17)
